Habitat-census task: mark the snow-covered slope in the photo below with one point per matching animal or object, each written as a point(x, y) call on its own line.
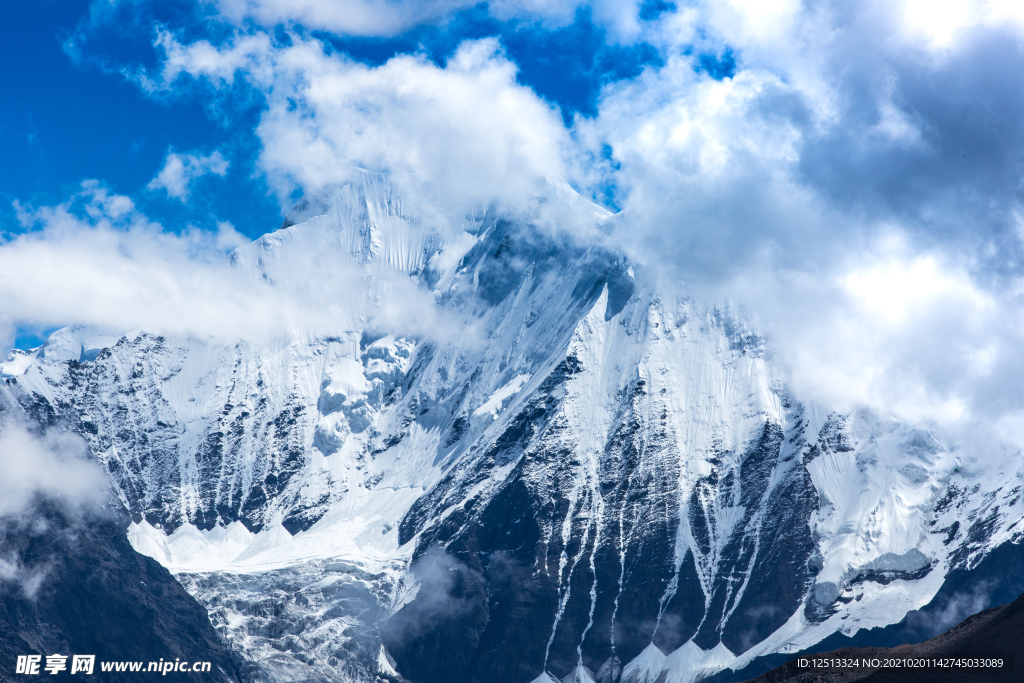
point(579, 470)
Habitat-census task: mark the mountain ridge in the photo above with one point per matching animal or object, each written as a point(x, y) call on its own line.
point(599, 463)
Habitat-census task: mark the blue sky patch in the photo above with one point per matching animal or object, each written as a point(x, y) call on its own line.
point(718, 66)
point(567, 66)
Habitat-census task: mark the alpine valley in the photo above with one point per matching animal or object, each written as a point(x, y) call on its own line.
point(582, 474)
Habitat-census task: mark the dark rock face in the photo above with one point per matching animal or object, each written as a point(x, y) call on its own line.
point(540, 577)
point(996, 579)
point(245, 462)
point(119, 403)
point(997, 632)
point(78, 587)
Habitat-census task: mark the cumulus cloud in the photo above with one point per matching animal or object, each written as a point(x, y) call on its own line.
point(180, 170)
point(361, 17)
point(463, 135)
point(97, 260)
point(895, 329)
point(855, 183)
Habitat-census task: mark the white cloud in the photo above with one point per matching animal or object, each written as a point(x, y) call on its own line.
point(95, 260)
point(854, 192)
point(706, 171)
point(894, 290)
point(941, 23)
point(463, 135)
point(29, 579)
point(781, 188)
point(356, 17)
point(56, 467)
point(227, 238)
point(180, 170)
point(897, 330)
point(391, 17)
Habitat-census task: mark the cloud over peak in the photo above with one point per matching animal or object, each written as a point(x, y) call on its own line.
point(849, 171)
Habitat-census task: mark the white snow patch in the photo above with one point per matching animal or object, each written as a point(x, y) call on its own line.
point(18, 362)
point(77, 343)
point(489, 411)
point(358, 531)
point(189, 547)
point(384, 666)
point(645, 667)
point(690, 663)
point(875, 501)
point(344, 382)
point(444, 262)
point(580, 674)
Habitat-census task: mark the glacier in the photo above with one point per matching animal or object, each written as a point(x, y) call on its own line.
point(580, 473)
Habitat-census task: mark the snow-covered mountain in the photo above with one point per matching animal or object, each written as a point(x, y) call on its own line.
point(585, 475)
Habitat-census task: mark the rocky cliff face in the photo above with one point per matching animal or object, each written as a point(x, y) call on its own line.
point(73, 585)
point(996, 633)
point(586, 473)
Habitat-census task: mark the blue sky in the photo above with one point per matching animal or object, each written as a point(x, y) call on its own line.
point(64, 119)
point(849, 172)
point(70, 113)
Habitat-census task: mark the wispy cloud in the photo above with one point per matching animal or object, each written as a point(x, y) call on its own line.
point(384, 18)
point(56, 471)
point(181, 170)
point(96, 260)
point(56, 467)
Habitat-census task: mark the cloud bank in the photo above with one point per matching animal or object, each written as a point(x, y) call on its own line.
point(853, 179)
point(854, 185)
point(97, 260)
